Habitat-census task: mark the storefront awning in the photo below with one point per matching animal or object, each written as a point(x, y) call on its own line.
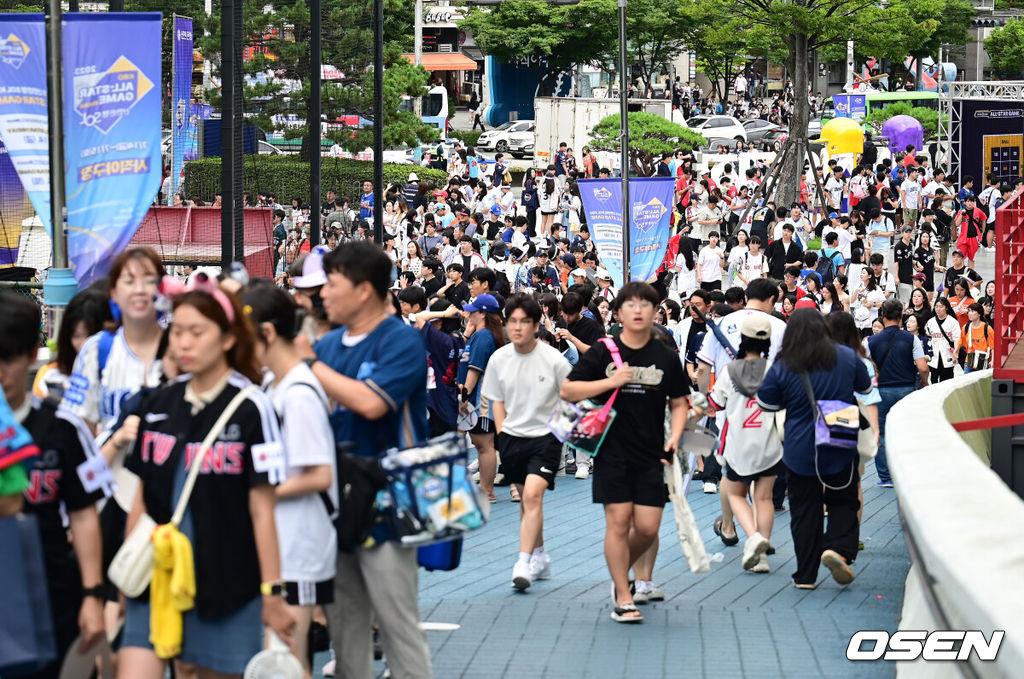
point(445, 62)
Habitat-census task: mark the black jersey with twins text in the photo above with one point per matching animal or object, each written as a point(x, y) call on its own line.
point(227, 566)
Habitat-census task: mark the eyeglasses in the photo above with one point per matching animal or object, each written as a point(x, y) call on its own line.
point(637, 304)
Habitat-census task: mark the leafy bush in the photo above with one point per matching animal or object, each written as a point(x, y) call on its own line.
point(649, 136)
point(468, 137)
point(287, 176)
point(929, 118)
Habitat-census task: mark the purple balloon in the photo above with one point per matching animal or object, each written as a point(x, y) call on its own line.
point(903, 130)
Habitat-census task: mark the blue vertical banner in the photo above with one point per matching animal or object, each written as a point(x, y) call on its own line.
point(183, 135)
point(112, 133)
point(649, 229)
point(24, 127)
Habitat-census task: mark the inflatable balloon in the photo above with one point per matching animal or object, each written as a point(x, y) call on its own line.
point(842, 135)
point(903, 130)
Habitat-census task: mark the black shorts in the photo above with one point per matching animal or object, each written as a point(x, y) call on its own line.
point(484, 425)
point(640, 483)
point(711, 285)
point(775, 470)
point(521, 457)
point(307, 593)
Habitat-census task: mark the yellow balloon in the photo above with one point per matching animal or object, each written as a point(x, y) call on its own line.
point(842, 135)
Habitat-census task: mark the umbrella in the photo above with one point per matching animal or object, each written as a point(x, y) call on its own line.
point(686, 526)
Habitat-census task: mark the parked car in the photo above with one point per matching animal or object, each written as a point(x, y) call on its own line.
point(772, 140)
point(717, 127)
point(814, 128)
point(520, 144)
point(759, 129)
point(497, 139)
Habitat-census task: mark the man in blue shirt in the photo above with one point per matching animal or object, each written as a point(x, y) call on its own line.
point(366, 202)
point(902, 365)
point(374, 367)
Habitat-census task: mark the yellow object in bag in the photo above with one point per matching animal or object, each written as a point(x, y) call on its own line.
point(172, 590)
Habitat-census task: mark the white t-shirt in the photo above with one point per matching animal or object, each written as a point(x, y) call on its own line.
point(528, 385)
point(685, 281)
point(714, 354)
point(845, 239)
point(710, 262)
point(307, 541)
point(835, 187)
point(753, 266)
point(911, 193)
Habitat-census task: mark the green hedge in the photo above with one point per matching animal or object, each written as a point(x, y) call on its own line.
point(468, 137)
point(287, 176)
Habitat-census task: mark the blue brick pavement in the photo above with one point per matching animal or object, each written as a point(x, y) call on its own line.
point(724, 623)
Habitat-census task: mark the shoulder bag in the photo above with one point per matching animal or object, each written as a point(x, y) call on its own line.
point(836, 424)
point(978, 360)
point(132, 567)
point(593, 421)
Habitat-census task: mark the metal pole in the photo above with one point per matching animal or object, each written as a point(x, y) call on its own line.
point(417, 103)
point(231, 226)
point(60, 284)
point(313, 119)
point(115, 6)
point(378, 121)
point(849, 66)
point(624, 138)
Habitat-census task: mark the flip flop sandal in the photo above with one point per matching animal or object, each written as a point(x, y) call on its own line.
point(727, 541)
point(514, 494)
point(627, 613)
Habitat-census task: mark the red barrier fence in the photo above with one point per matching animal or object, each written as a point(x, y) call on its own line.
point(1008, 358)
point(191, 235)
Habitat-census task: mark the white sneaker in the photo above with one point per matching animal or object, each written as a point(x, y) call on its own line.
point(761, 566)
point(473, 466)
point(328, 670)
point(710, 488)
point(653, 593)
point(640, 595)
point(475, 477)
point(499, 478)
point(521, 575)
point(540, 566)
point(583, 471)
point(753, 548)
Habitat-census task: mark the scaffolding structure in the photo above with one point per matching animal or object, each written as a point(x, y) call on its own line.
point(951, 112)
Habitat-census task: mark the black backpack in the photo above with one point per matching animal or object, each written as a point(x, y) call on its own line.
point(359, 481)
point(826, 268)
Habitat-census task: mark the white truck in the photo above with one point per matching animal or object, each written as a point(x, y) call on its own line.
point(570, 119)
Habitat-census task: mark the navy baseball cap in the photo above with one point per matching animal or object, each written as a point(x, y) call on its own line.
point(485, 303)
point(570, 260)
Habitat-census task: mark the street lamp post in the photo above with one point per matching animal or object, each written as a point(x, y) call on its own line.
point(624, 140)
point(313, 119)
point(378, 121)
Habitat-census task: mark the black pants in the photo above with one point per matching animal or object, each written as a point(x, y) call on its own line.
point(712, 470)
point(941, 374)
point(478, 120)
point(779, 489)
point(711, 285)
point(810, 537)
point(531, 221)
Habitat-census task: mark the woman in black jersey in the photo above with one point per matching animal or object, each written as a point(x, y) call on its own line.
point(230, 516)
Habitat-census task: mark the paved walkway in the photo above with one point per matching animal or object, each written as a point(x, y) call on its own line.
point(724, 623)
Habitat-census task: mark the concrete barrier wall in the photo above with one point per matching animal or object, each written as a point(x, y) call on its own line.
point(967, 525)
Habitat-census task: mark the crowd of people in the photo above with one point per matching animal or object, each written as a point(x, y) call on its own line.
point(476, 314)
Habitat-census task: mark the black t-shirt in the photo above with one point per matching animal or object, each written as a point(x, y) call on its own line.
point(868, 204)
point(226, 561)
point(903, 255)
point(457, 294)
point(586, 330)
point(926, 258)
point(432, 286)
point(54, 482)
point(637, 435)
point(963, 272)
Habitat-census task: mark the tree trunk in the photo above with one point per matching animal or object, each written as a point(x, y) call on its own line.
point(919, 75)
point(788, 190)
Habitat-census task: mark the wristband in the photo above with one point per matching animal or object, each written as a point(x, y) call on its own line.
point(309, 362)
point(97, 591)
point(272, 588)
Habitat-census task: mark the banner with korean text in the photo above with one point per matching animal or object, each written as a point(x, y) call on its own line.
point(184, 142)
point(649, 228)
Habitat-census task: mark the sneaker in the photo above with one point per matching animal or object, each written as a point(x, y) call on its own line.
point(753, 548)
point(473, 466)
point(521, 575)
point(841, 571)
point(540, 566)
point(499, 480)
point(710, 488)
point(639, 592)
point(561, 471)
point(653, 593)
point(761, 566)
point(884, 484)
point(570, 467)
point(328, 669)
point(583, 472)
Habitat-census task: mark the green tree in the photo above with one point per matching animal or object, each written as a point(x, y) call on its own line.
point(279, 41)
point(649, 136)
point(552, 39)
point(933, 23)
point(929, 118)
point(1005, 49)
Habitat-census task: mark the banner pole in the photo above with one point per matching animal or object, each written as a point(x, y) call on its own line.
point(169, 198)
point(60, 285)
point(624, 140)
